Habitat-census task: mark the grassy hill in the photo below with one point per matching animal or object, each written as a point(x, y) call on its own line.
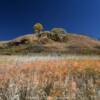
point(51, 43)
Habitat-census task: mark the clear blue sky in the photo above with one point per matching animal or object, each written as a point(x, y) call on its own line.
point(78, 16)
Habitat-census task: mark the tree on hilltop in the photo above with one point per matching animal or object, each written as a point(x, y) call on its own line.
point(38, 27)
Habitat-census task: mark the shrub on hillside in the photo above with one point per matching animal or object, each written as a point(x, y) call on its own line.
point(35, 48)
point(58, 34)
point(58, 31)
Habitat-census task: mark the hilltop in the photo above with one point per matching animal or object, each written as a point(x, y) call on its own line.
point(51, 42)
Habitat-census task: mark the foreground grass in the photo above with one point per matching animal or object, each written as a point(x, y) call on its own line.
point(45, 78)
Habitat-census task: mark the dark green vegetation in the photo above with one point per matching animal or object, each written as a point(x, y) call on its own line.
point(57, 41)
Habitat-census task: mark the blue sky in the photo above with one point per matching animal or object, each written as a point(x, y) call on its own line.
point(76, 16)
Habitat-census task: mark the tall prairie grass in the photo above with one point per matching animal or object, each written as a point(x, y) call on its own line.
point(52, 79)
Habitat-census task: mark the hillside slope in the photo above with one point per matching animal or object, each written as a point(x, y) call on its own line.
point(65, 44)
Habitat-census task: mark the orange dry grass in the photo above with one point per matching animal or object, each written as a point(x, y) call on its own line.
point(57, 66)
point(51, 76)
point(44, 69)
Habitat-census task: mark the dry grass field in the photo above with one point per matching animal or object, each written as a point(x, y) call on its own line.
point(49, 78)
